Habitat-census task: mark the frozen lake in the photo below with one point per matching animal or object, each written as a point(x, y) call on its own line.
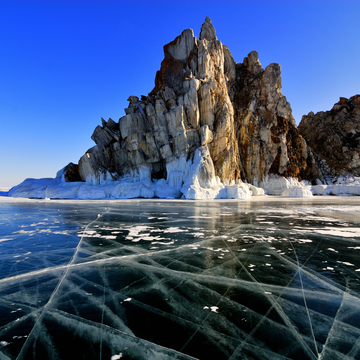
point(261, 279)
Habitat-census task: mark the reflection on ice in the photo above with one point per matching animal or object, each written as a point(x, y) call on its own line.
point(138, 280)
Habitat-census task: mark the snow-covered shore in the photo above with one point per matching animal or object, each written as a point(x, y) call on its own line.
point(290, 187)
point(128, 189)
point(193, 180)
point(131, 188)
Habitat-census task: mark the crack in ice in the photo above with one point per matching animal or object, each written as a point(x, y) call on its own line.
point(278, 309)
point(38, 322)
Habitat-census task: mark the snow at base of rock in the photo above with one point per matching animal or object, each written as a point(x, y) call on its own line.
point(299, 192)
point(193, 189)
point(278, 185)
point(200, 184)
point(326, 190)
point(56, 189)
point(291, 187)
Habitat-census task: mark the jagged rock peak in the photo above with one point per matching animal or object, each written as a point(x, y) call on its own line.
point(252, 63)
point(207, 30)
point(133, 99)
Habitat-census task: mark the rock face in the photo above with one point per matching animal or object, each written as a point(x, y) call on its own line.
point(208, 121)
point(71, 172)
point(268, 139)
point(334, 137)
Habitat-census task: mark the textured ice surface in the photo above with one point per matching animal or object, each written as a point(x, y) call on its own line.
point(179, 280)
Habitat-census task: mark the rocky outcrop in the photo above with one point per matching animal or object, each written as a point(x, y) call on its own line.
point(334, 137)
point(208, 119)
point(71, 173)
point(213, 128)
point(268, 139)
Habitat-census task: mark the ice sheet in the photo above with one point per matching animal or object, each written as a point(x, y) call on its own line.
point(179, 280)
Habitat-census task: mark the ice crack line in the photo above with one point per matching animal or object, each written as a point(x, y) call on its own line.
point(37, 324)
point(102, 311)
point(277, 307)
point(332, 329)
point(225, 293)
point(303, 292)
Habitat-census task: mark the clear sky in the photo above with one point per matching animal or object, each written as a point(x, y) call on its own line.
point(65, 64)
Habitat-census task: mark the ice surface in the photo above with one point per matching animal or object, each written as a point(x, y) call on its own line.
point(154, 279)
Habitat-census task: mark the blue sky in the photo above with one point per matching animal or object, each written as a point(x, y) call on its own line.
point(65, 64)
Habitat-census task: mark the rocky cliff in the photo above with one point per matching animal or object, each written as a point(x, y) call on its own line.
point(267, 136)
point(222, 121)
point(334, 137)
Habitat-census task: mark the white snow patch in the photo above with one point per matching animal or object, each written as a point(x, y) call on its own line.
point(212, 308)
point(5, 239)
point(298, 192)
point(345, 263)
point(198, 234)
point(348, 232)
point(286, 187)
point(338, 190)
point(116, 357)
point(175, 230)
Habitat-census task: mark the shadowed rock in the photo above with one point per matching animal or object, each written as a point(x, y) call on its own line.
point(334, 136)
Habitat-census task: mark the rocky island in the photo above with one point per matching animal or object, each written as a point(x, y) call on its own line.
point(213, 128)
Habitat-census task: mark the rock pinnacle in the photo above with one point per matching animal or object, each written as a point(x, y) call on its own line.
point(207, 30)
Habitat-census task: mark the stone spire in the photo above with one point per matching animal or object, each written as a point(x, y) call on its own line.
point(207, 30)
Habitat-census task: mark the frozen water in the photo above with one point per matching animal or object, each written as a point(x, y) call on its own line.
point(146, 279)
